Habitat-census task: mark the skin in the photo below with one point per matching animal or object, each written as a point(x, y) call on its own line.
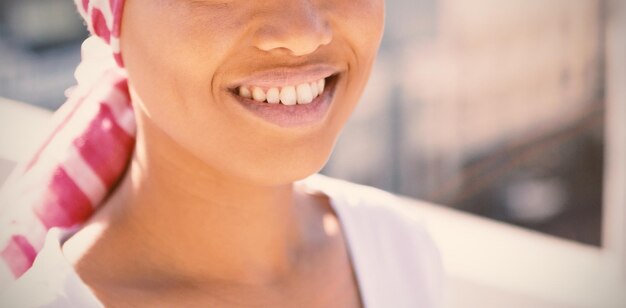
point(209, 205)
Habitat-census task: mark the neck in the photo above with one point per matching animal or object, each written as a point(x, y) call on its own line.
point(191, 222)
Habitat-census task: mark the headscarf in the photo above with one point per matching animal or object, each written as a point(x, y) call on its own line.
point(85, 154)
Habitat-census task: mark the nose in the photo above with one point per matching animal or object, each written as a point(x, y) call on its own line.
point(294, 26)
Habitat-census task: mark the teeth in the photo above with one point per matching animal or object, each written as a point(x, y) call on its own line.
point(304, 94)
point(258, 94)
point(314, 89)
point(245, 92)
point(273, 96)
point(290, 95)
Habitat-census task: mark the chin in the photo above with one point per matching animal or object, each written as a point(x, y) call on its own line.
point(277, 172)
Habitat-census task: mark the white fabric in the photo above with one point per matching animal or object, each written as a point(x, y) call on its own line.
point(50, 282)
point(395, 261)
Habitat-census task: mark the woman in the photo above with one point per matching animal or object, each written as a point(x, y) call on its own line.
point(235, 102)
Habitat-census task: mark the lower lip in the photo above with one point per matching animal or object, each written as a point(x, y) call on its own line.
point(295, 115)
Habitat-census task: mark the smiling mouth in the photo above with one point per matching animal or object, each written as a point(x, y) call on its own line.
point(289, 106)
point(290, 95)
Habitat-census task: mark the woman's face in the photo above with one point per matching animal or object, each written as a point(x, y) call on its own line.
point(191, 64)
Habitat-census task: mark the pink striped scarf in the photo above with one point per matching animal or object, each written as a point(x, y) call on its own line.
point(85, 154)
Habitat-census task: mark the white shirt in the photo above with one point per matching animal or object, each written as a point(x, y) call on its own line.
point(396, 263)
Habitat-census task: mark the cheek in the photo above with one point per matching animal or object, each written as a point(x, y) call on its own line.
point(360, 21)
point(171, 55)
point(367, 30)
point(362, 34)
point(152, 54)
point(359, 25)
point(171, 61)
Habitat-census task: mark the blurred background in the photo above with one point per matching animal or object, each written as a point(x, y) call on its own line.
point(491, 107)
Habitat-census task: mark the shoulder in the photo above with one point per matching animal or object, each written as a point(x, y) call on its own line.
point(50, 282)
point(390, 239)
point(375, 209)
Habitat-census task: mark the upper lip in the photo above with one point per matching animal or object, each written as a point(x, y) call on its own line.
point(287, 76)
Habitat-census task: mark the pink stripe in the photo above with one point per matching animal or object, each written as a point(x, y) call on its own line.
point(69, 108)
point(117, 7)
point(105, 146)
point(122, 87)
point(73, 104)
point(19, 255)
point(99, 24)
point(85, 5)
point(118, 59)
point(64, 204)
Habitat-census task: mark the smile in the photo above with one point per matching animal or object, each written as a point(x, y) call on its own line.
point(288, 100)
point(302, 94)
